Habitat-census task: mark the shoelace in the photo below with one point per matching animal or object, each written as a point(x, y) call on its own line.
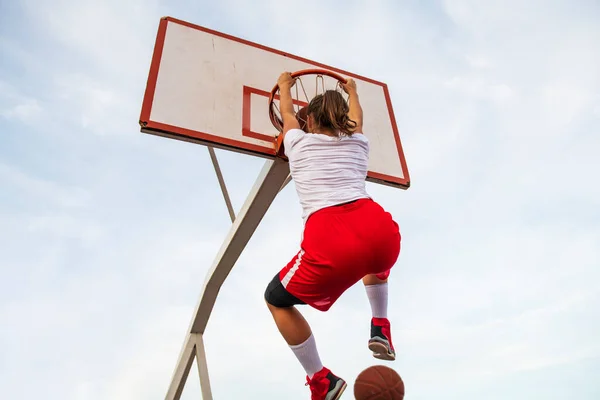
point(319, 387)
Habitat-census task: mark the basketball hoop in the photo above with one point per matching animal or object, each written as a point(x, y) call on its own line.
point(324, 80)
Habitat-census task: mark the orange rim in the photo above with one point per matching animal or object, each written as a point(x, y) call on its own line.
point(275, 120)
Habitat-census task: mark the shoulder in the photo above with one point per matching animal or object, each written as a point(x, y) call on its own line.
point(360, 137)
point(291, 138)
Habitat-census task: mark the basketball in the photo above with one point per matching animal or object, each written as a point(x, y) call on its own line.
point(379, 383)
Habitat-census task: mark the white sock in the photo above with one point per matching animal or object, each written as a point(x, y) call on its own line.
point(378, 298)
point(308, 356)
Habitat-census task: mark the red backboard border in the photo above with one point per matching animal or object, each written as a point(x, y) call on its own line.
point(152, 127)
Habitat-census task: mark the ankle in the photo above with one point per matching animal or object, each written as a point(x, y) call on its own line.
point(308, 356)
point(380, 321)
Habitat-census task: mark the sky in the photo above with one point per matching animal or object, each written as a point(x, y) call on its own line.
point(106, 233)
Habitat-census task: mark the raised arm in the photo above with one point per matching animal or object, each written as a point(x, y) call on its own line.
point(355, 113)
point(286, 105)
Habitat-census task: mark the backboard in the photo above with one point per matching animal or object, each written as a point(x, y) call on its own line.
point(212, 88)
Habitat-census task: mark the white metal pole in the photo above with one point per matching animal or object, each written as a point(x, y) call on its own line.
point(287, 180)
point(202, 368)
point(215, 161)
point(267, 185)
point(184, 364)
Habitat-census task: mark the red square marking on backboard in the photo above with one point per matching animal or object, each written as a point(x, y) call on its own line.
point(247, 112)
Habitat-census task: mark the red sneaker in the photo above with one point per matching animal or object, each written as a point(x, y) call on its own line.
point(381, 340)
point(326, 386)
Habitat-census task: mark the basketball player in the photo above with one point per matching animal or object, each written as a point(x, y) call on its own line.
point(347, 236)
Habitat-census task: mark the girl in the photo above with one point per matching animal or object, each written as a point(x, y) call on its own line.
point(347, 236)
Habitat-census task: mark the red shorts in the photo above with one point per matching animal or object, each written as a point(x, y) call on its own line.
point(341, 244)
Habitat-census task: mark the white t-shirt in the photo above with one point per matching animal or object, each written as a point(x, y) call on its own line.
point(327, 170)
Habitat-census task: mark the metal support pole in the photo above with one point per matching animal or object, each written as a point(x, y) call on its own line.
point(267, 186)
point(287, 180)
point(186, 359)
point(213, 157)
point(202, 367)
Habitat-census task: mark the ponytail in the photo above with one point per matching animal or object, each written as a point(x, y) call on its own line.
point(330, 111)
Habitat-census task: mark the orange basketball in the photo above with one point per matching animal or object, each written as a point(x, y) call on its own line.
point(379, 383)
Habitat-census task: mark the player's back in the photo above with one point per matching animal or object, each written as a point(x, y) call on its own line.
point(327, 170)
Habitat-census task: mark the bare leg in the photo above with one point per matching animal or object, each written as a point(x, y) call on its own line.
point(373, 280)
point(298, 335)
point(291, 324)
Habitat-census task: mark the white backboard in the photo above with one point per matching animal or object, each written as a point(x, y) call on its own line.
point(211, 88)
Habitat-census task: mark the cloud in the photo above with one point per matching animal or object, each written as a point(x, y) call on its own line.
point(99, 107)
point(108, 233)
point(48, 190)
point(476, 88)
point(14, 105)
point(96, 77)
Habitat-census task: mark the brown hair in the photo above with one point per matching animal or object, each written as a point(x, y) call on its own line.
point(329, 111)
point(302, 117)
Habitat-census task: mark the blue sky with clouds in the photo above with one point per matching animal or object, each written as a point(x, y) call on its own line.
point(106, 233)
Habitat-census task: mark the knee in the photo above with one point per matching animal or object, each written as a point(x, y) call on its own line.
point(272, 309)
point(268, 295)
point(267, 298)
point(277, 297)
point(273, 304)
